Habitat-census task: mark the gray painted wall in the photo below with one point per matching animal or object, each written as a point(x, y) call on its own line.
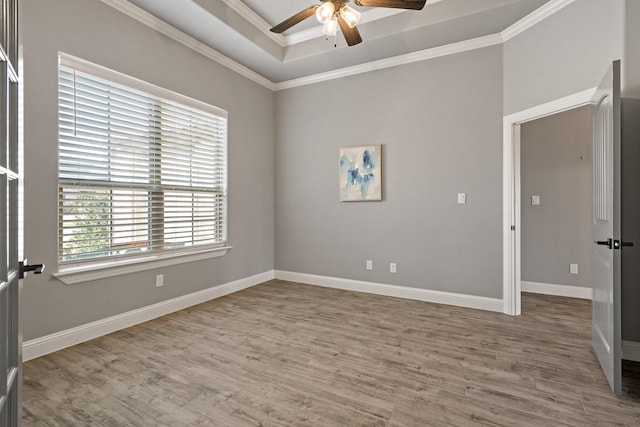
point(556, 165)
point(440, 123)
point(436, 243)
point(631, 219)
point(631, 59)
point(96, 32)
point(630, 173)
point(566, 53)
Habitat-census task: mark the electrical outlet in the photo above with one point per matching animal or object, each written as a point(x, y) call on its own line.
point(573, 268)
point(369, 264)
point(392, 267)
point(159, 280)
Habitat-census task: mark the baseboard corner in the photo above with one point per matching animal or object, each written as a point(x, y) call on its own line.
point(40, 346)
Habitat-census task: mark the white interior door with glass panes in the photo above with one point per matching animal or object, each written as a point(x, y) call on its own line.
point(10, 181)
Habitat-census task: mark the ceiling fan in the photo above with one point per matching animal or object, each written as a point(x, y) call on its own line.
point(332, 13)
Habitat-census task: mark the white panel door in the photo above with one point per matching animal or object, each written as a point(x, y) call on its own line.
point(606, 329)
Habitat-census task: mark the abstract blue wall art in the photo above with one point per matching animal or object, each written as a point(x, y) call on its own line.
point(361, 173)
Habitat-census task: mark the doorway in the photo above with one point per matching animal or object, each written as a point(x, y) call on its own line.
point(512, 126)
point(556, 204)
point(512, 198)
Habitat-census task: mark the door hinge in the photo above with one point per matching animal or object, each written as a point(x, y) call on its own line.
point(513, 228)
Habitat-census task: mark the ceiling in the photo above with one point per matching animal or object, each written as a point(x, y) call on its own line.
point(239, 30)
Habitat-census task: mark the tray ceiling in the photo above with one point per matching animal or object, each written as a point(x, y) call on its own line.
point(239, 30)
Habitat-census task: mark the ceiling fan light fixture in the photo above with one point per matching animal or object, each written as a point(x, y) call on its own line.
point(330, 28)
point(350, 15)
point(325, 12)
point(332, 13)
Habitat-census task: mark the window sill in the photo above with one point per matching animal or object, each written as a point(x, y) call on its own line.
point(103, 270)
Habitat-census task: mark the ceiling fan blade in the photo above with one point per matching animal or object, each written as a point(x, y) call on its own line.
point(351, 35)
point(295, 19)
point(397, 4)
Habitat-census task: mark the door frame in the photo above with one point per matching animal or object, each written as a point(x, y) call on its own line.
point(511, 197)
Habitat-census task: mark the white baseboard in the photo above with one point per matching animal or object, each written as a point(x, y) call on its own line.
point(461, 300)
point(557, 290)
point(631, 350)
point(57, 341)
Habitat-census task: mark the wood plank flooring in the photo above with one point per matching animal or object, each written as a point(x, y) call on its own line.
point(286, 354)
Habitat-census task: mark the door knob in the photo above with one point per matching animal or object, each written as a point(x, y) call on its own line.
point(24, 268)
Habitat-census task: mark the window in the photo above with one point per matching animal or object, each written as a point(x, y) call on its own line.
point(140, 169)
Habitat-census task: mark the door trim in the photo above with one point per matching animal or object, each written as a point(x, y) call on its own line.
point(511, 277)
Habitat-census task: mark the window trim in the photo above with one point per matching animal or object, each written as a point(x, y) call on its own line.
point(123, 79)
point(89, 271)
point(79, 272)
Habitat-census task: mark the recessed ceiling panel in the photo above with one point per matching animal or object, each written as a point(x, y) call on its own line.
point(239, 29)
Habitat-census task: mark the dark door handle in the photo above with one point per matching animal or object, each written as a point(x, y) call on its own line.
point(608, 242)
point(24, 268)
point(617, 244)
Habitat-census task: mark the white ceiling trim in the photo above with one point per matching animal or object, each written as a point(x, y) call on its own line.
point(247, 13)
point(159, 25)
point(423, 55)
point(302, 36)
point(534, 18)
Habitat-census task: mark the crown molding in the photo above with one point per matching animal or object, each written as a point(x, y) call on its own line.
point(161, 26)
point(302, 36)
point(256, 20)
point(242, 9)
point(423, 55)
point(535, 17)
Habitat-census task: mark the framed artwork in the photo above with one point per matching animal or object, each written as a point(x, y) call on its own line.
point(361, 173)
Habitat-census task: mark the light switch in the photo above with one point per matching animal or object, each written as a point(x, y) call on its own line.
point(462, 198)
point(535, 200)
point(573, 268)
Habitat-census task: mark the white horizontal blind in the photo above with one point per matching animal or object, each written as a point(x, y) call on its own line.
point(137, 172)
